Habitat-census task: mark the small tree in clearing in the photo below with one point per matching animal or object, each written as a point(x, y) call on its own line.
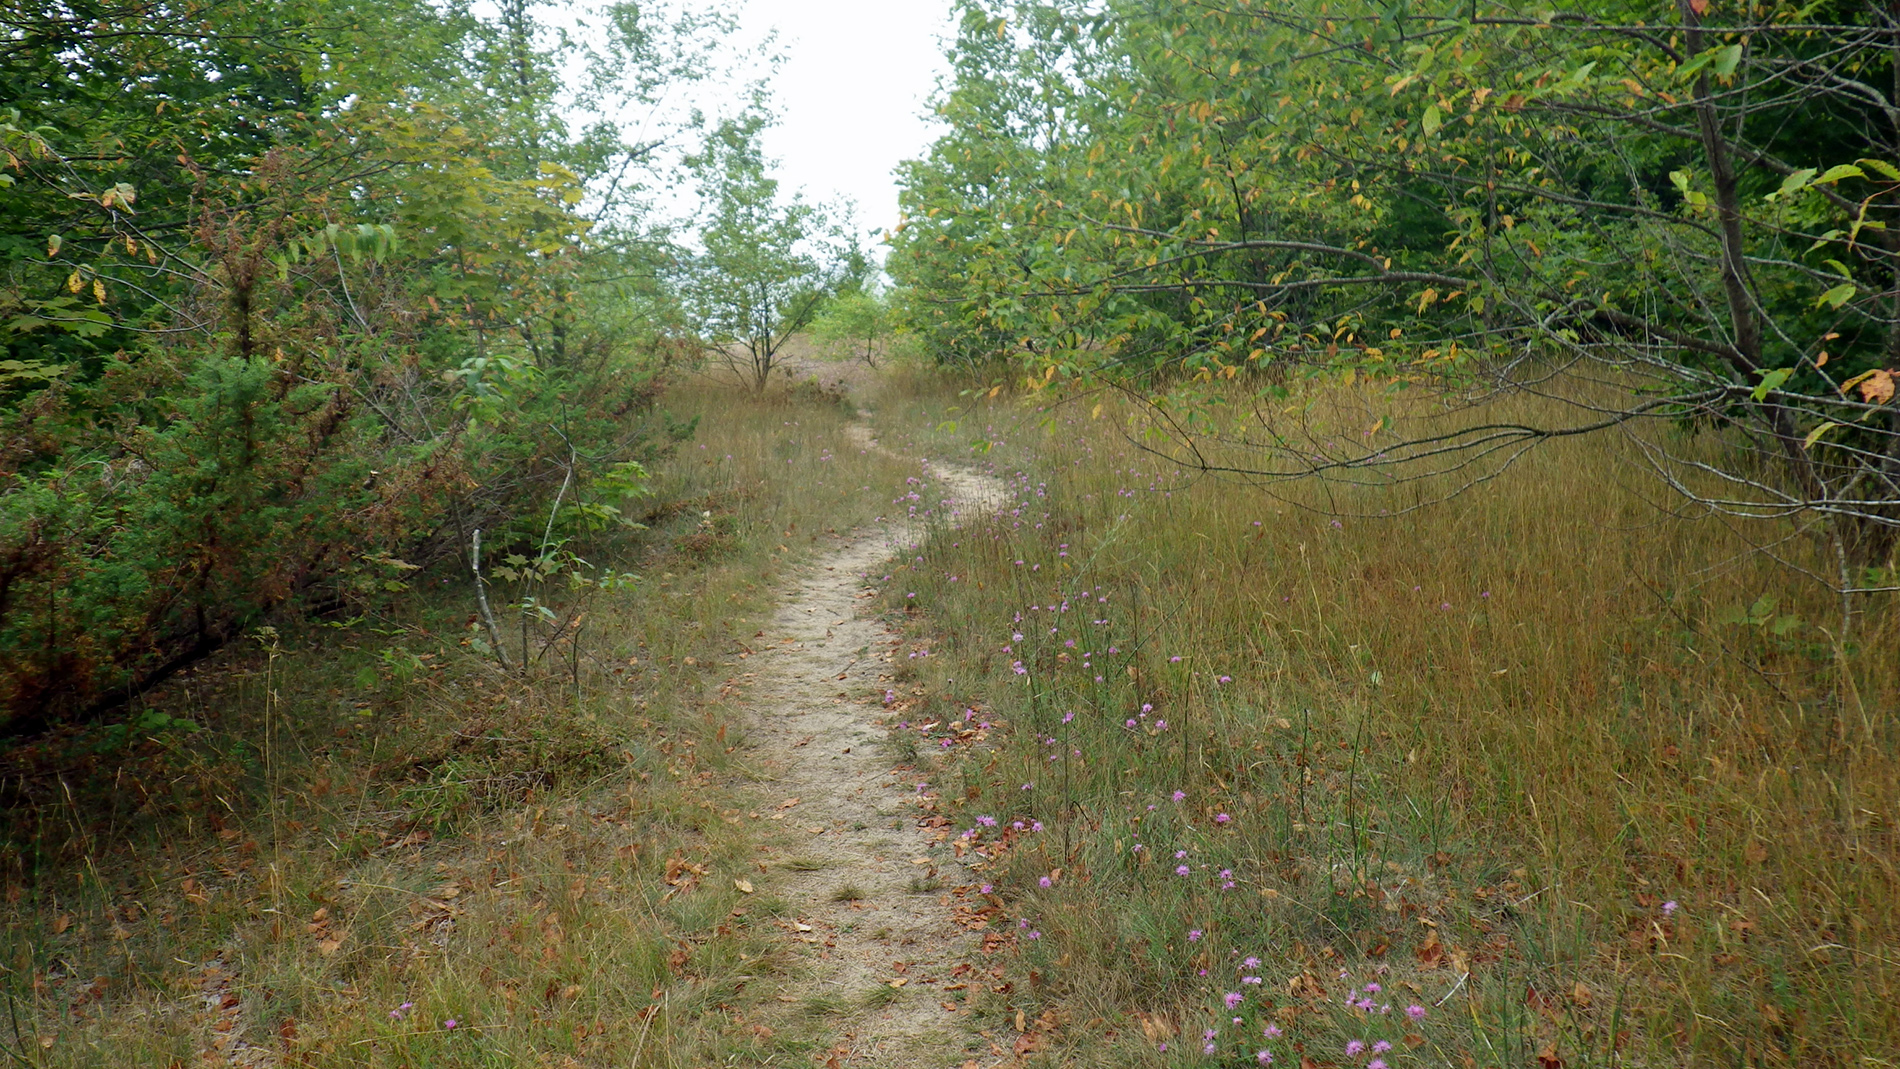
point(858, 320)
point(767, 263)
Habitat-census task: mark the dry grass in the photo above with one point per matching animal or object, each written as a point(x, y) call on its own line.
point(374, 831)
point(1511, 737)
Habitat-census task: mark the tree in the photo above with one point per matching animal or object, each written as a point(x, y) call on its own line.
point(860, 319)
point(767, 263)
point(1661, 225)
point(290, 301)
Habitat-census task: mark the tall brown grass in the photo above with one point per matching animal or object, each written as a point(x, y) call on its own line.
point(1601, 752)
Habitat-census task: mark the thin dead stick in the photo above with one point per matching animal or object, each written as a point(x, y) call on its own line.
point(1454, 989)
point(481, 601)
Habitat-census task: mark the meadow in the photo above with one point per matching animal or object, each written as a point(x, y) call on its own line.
point(358, 842)
point(1556, 772)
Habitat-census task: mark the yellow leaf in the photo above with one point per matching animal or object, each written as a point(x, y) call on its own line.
point(1815, 434)
point(1877, 387)
point(744, 885)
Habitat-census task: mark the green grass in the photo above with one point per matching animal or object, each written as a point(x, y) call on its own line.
point(1503, 757)
point(371, 814)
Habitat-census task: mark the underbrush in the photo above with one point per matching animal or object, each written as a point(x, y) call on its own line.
point(361, 841)
point(1540, 776)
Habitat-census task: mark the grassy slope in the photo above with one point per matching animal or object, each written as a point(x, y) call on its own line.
point(1508, 737)
point(377, 832)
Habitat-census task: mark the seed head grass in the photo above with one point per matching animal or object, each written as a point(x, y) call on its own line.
point(1554, 768)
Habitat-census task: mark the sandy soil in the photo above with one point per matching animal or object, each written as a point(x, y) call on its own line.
point(891, 958)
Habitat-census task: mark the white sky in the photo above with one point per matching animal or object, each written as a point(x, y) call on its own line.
point(851, 94)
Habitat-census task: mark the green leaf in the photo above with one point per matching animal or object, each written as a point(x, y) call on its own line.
point(1838, 172)
point(1726, 60)
point(1433, 119)
point(1771, 381)
point(1882, 167)
point(1794, 183)
point(1837, 296)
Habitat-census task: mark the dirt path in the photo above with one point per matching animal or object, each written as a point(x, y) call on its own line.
point(868, 886)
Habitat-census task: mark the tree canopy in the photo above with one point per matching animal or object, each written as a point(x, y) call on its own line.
point(1665, 217)
point(291, 292)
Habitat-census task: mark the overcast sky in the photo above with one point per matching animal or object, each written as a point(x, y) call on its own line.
point(851, 93)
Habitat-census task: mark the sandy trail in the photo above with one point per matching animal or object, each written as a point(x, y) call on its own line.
point(855, 824)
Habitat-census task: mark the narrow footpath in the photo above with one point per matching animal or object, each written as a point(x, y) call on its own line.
point(870, 888)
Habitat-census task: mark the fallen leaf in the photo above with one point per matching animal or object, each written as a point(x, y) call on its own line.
point(744, 886)
point(61, 923)
point(1580, 993)
point(1157, 1028)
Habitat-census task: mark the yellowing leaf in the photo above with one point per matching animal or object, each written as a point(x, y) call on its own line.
point(1840, 171)
point(1815, 434)
point(1433, 119)
point(1877, 387)
point(744, 885)
point(1882, 167)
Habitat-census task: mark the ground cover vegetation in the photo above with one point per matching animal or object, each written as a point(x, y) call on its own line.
point(361, 841)
point(1445, 616)
point(1548, 778)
